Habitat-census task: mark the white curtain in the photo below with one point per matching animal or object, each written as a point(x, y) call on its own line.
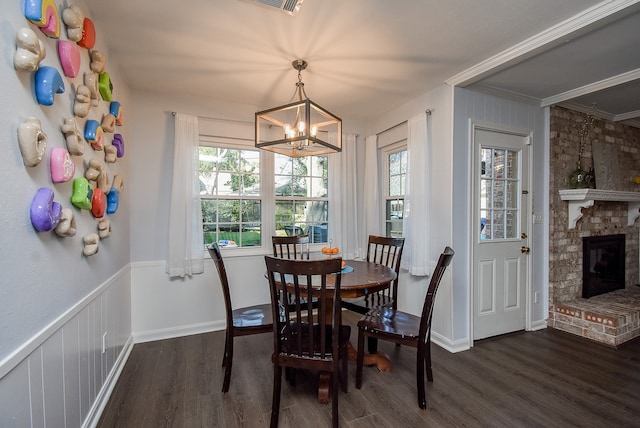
point(417, 197)
point(342, 192)
point(185, 246)
point(371, 198)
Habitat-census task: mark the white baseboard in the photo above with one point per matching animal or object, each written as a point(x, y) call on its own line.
point(93, 417)
point(451, 346)
point(538, 325)
point(185, 330)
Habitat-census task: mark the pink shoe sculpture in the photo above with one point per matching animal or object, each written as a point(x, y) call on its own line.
point(62, 166)
point(45, 213)
point(69, 55)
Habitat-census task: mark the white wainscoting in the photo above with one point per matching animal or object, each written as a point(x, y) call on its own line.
point(62, 377)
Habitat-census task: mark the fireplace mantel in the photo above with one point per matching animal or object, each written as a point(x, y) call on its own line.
point(584, 198)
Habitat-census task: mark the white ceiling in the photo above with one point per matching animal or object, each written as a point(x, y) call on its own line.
point(367, 57)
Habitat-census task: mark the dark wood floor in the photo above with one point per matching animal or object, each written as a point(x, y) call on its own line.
point(536, 379)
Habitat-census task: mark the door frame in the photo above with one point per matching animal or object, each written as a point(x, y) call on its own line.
point(528, 218)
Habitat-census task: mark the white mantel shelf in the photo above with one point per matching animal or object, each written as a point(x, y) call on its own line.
point(584, 198)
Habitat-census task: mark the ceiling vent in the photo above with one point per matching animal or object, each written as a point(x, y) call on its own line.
point(290, 7)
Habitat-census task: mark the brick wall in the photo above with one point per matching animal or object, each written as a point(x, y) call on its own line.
point(604, 218)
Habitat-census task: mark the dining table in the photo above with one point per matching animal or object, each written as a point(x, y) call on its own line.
point(359, 278)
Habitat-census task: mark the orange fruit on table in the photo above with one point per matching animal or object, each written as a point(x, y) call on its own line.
point(335, 250)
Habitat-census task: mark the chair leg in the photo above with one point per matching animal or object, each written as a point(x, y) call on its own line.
point(227, 361)
point(344, 371)
point(334, 395)
point(427, 357)
point(420, 363)
point(359, 359)
point(275, 402)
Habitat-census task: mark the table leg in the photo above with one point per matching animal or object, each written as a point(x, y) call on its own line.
point(379, 360)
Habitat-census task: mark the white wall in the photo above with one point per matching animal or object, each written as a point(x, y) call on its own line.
point(56, 304)
point(472, 107)
point(412, 289)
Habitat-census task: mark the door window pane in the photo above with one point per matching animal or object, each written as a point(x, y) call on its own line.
point(499, 193)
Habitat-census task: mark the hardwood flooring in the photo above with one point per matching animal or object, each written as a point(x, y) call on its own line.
point(536, 379)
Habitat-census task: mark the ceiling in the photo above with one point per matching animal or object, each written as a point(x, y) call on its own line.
point(367, 57)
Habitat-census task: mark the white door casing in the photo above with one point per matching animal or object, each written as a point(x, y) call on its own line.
point(500, 231)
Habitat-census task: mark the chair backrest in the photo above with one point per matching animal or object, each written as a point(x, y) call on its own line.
point(214, 252)
point(291, 247)
point(427, 310)
point(387, 251)
point(300, 332)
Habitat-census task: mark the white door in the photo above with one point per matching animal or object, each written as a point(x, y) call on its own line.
point(500, 240)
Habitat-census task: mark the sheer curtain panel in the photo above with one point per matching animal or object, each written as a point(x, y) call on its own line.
point(372, 219)
point(416, 224)
point(185, 245)
point(342, 191)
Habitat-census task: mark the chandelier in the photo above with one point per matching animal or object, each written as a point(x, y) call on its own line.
point(300, 128)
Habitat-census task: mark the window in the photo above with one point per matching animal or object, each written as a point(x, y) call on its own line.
point(230, 193)
point(301, 196)
point(499, 201)
point(248, 194)
point(395, 177)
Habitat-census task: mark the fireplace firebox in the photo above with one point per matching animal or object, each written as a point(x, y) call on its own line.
point(603, 268)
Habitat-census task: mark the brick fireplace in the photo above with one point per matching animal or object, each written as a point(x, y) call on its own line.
point(613, 317)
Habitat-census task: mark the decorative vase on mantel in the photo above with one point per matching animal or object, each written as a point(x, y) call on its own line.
point(580, 179)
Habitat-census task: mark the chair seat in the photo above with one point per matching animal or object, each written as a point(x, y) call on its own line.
point(251, 316)
point(290, 341)
point(364, 304)
point(393, 322)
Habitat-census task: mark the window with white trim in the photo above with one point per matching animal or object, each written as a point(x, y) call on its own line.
point(301, 196)
point(394, 179)
point(248, 195)
point(231, 197)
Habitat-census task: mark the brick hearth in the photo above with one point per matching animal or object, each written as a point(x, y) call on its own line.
point(612, 318)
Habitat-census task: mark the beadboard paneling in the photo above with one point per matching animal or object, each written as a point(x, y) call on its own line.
point(66, 377)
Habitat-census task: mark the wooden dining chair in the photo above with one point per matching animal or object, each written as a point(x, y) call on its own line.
point(304, 338)
point(389, 324)
point(291, 247)
point(386, 251)
point(241, 321)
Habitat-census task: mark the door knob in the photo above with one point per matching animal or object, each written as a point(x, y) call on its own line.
point(524, 250)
